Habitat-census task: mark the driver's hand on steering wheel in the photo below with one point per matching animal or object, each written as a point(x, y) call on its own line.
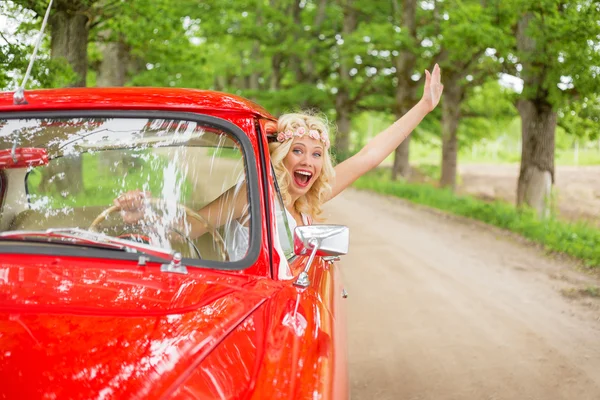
point(132, 205)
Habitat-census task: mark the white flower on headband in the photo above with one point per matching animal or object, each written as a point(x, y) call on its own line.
point(283, 136)
point(301, 131)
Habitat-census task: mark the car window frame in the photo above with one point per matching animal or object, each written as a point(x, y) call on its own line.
point(279, 201)
point(250, 169)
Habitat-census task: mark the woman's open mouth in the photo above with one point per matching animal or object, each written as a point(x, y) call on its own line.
point(302, 178)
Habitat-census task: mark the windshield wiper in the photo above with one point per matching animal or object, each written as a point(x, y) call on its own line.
point(89, 238)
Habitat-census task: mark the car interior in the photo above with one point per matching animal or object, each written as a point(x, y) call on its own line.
point(81, 178)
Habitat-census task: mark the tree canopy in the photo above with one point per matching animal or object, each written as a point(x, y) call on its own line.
point(342, 57)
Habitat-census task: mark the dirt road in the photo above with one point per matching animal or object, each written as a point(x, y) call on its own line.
point(442, 308)
point(577, 189)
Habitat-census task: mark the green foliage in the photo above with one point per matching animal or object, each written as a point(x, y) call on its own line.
point(289, 55)
point(487, 112)
point(580, 157)
point(578, 240)
point(431, 172)
point(224, 152)
point(161, 51)
point(366, 125)
point(563, 67)
point(100, 185)
point(15, 53)
point(498, 143)
point(581, 118)
point(490, 100)
point(471, 27)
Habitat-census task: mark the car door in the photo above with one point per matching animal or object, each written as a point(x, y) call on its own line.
point(325, 294)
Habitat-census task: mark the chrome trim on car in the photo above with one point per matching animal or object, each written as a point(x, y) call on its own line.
point(175, 266)
point(250, 161)
point(322, 240)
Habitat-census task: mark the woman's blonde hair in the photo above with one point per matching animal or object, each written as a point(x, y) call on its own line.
point(319, 192)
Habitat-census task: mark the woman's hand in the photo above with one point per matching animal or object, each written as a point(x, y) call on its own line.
point(433, 88)
point(132, 205)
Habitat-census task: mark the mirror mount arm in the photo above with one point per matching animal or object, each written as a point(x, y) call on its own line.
point(303, 280)
point(13, 152)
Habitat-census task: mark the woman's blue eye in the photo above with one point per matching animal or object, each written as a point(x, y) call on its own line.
point(317, 154)
point(297, 151)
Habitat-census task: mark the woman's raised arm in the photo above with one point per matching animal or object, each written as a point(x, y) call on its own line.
point(382, 145)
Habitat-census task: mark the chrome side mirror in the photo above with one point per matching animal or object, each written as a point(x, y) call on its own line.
point(329, 240)
point(319, 240)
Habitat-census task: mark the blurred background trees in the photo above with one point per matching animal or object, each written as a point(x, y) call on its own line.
point(521, 77)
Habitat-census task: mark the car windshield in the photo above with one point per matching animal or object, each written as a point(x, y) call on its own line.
point(66, 173)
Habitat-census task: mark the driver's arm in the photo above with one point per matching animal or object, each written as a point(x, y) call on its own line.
point(230, 205)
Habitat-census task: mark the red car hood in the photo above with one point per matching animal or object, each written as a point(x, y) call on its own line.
point(87, 329)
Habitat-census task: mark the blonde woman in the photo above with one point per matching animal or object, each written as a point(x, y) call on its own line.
point(305, 173)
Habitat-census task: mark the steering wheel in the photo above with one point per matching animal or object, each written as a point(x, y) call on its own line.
point(157, 203)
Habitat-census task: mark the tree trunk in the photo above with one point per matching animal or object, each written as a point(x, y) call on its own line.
point(69, 40)
point(320, 15)
point(343, 122)
point(113, 68)
point(342, 98)
point(401, 160)
point(296, 61)
point(254, 76)
point(275, 72)
point(254, 83)
point(219, 83)
point(538, 127)
point(453, 94)
point(406, 90)
point(112, 72)
point(536, 176)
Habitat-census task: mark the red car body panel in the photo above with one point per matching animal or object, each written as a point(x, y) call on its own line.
point(113, 328)
point(95, 328)
point(134, 98)
point(281, 350)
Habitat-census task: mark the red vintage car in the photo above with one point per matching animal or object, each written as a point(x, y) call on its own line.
point(95, 307)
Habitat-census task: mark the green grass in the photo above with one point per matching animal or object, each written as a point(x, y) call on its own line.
point(431, 153)
point(561, 157)
point(585, 157)
point(592, 291)
point(102, 184)
point(225, 152)
point(575, 239)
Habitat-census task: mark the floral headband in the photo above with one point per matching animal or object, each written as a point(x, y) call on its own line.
point(301, 131)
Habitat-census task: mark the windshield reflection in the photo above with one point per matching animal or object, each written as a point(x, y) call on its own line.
point(196, 171)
